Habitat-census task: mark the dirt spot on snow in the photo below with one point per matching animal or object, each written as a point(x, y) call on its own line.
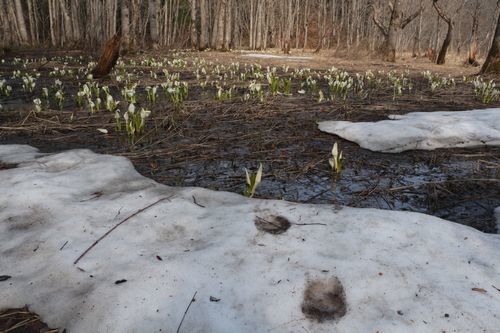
point(21, 320)
point(27, 221)
point(324, 300)
point(272, 224)
point(6, 166)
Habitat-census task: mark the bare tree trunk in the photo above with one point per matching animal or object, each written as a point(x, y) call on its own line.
point(214, 23)
point(258, 29)
point(125, 22)
point(471, 60)
point(392, 32)
point(175, 21)
point(340, 25)
point(236, 39)
point(396, 23)
point(287, 33)
point(75, 20)
point(296, 23)
point(204, 25)
point(135, 22)
point(32, 22)
point(441, 58)
point(153, 10)
point(68, 29)
point(437, 30)
point(306, 23)
point(23, 32)
point(193, 29)
point(228, 31)
point(52, 22)
point(492, 63)
point(252, 24)
point(219, 34)
point(6, 27)
point(319, 28)
point(267, 22)
point(416, 39)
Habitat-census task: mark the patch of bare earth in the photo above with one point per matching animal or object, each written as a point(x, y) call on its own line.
point(22, 320)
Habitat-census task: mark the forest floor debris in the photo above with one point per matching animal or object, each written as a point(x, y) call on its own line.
point(210, 142)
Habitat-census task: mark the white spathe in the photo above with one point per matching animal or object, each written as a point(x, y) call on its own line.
point(422, 130)
point(401, 271)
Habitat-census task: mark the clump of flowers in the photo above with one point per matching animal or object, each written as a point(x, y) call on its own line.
point(286, 86)
point(273, 81)
point(399, 84)
point(176, 92)
point(133, 122)
point(28, 83)
point(339, 84)
point(310, 84)
point(5, 89)
point(255, 91)
point(16, 74)
point(223, 94)
point(152, 94)
point(436, 82)
point(486, 91)
point(128, 93)
point(82, 94)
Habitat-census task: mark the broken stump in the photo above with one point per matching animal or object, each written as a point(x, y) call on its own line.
point(108, 57)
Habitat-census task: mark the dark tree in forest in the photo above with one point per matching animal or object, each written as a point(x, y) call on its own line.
point(492, 63)
point(441, 58)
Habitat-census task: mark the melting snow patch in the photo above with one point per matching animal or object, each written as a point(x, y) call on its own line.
point(422, 130)
point(275, 56)
point(253, 265)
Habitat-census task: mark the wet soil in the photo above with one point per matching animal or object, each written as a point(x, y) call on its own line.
point(21, 320)
point(209, 143)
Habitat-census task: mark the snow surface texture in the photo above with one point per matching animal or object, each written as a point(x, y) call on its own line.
point(400, 271)
point(422, 130)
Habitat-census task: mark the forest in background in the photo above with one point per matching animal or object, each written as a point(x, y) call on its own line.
point(465, 27)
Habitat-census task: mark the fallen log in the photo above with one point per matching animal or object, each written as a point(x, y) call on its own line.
point(108, 58)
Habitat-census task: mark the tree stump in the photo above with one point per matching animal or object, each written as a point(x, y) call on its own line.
point(431, 54)
point(108, 57)
point(286, 47)
point(472, 60)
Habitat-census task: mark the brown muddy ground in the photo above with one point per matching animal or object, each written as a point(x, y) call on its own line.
point(209, 142)
point(22, 320)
